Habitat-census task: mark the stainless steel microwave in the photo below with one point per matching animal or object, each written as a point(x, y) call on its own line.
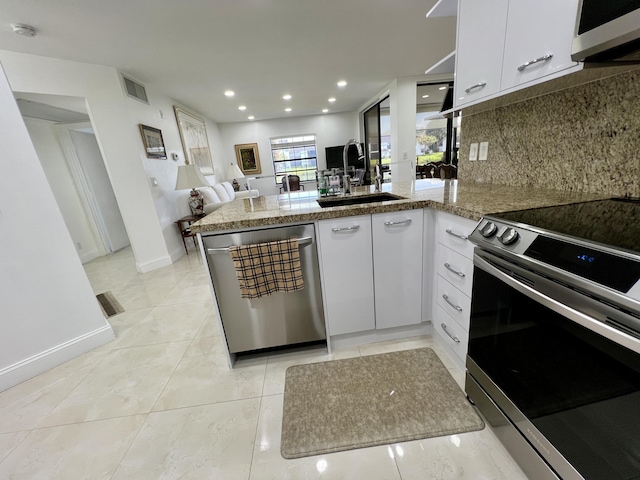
point(607, 31)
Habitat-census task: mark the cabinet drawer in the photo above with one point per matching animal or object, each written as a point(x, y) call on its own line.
point(454, 302)
point(453, 232)
point(454, 336)
point(455, 268)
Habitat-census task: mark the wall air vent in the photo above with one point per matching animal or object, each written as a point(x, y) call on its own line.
point(135, 90)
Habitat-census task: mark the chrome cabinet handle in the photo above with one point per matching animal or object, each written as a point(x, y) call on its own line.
point(477, 85)
point(345, 229)
point(451, 232)
point(455, 339)
point(543, 58)
point(446, 299)
point(403, 222)
point(451, 269)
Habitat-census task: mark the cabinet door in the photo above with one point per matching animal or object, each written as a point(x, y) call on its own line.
point(537, 29)
point(397, 265)
point(479, 49)
point(347, 274)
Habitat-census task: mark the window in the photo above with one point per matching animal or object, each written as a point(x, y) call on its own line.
point(295, 156)
point(437, 137)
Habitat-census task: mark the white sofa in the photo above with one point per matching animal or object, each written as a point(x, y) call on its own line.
point(222, 193)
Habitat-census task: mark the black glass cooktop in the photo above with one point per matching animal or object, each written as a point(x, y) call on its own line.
point(614, 222)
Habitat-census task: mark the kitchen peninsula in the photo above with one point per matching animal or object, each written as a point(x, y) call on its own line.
point(380, 265)
point(466, 199)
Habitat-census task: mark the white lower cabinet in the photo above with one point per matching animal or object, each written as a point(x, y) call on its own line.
point(347, 274)
point(397, 267)
point(372, 271)
point(453, 282)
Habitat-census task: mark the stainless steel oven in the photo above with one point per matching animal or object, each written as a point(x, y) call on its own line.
point(554, 340)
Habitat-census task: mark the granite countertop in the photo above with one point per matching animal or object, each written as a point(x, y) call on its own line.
point(466, 199)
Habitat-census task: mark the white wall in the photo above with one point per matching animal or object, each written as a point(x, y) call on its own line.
point(117, 135)
point(53, 161)
point(49, 311)
point(169, 203)
point(330, 130)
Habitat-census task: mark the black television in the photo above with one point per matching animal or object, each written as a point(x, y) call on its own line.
point(334, 158)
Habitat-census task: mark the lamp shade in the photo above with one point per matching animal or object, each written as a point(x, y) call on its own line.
point(234, 172)
point(190, 176)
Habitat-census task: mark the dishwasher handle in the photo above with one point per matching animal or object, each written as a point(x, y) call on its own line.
point(301, 241)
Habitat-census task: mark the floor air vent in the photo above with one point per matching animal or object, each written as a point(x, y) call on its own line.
point(109, 304)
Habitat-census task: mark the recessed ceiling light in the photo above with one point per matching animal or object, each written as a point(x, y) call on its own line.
point(251, 117)
point(24, 30)
point(332, 99)
point(425, 96)
point(342, 83)
point(229, 93)
point(442, 88)
point(287, 97)
point(242, 107)
point(325, 110)
point(288, 109)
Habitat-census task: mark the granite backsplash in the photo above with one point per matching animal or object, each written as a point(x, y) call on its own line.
point(584, 138)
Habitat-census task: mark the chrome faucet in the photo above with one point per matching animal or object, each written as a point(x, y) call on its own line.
point(378, 180)
point(346, 180)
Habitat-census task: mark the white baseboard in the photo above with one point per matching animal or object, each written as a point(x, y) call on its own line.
point(177, 254)
point(35, 365)
point(88, 256)
point(154, 264)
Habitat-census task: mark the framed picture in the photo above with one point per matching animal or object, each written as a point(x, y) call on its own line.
point(193, 133)
point(248, 158)
point(153, 143)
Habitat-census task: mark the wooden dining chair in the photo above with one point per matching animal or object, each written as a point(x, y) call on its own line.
point(294, 183)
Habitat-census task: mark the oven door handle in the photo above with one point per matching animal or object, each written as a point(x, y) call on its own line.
point(564, 310)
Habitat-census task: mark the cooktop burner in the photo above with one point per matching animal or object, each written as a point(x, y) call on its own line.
point(614, 222)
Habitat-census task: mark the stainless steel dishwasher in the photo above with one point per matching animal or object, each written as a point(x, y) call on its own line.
point(275, 320)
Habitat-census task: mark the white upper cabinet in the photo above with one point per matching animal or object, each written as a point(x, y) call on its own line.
point(504, 45)
point(538, 40)
point(479, 49)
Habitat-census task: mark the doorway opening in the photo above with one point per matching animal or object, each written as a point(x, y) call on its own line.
point(437, 134)
point(64, 139)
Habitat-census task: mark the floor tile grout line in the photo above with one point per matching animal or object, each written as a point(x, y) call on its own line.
point(135, 437)
point(174, 370)
point(84, 377)
point(255, 437)
point(16, 447)
point(82, 422)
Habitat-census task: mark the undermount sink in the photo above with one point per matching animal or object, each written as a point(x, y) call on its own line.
point(357, 199)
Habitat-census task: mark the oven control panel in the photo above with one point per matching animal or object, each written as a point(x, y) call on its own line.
point(491, 232)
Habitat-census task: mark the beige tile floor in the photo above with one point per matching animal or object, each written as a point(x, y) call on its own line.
point(160, 403)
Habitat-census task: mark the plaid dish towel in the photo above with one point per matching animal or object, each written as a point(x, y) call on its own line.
point(264, 268)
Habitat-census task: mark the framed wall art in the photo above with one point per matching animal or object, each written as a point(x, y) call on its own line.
point(153, 142)
point(248, 158)
point(193, 133)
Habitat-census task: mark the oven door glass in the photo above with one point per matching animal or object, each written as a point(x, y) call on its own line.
point(579, 389)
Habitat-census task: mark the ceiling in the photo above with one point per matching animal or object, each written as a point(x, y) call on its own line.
point(261, 49)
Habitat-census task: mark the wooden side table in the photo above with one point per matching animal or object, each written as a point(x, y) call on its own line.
point(185, 229)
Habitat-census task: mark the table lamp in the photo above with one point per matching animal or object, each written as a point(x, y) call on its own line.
point(190, 176)
point(234, 172)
